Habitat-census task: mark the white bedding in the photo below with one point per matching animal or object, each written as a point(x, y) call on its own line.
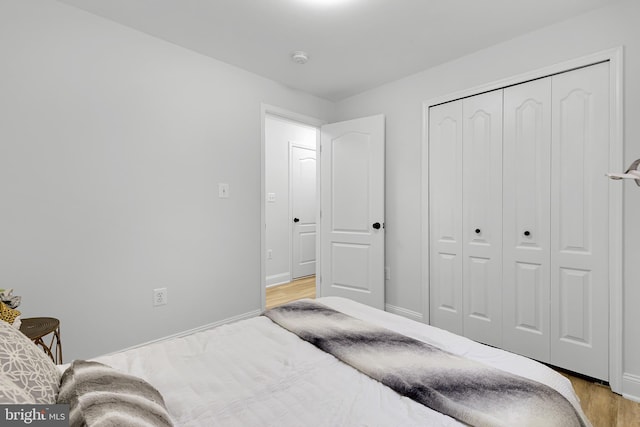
point(254, 373)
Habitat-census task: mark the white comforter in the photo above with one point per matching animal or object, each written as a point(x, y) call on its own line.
point(254, 373)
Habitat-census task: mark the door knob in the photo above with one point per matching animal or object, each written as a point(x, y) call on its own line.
point(527, 233)
point(477, 231)
point(376, 225)
point(296, 219)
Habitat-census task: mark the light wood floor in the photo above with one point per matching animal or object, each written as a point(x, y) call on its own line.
point(298, 289)
point(603, 407)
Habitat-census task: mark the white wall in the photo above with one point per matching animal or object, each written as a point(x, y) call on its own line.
point(401, 102)
point(278, 134)
point(112, 144)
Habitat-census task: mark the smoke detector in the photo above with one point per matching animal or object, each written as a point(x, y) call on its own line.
point(299, 57)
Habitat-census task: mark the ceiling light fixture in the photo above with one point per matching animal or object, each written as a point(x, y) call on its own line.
point(299, 57)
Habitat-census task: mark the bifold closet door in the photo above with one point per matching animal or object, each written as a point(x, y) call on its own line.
point(482, 217)
point(526, 215)
point(465, 212)
point(579, 221)
point(518, 211)
point(445, 216)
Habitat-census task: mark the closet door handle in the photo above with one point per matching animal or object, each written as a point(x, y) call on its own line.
point(376, 225)
point(296, 219)
point(477, 231)
point(527, 233)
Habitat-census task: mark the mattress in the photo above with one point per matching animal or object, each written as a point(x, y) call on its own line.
point(255, 373)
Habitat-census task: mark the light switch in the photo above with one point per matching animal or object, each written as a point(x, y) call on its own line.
point(223, 190)
point(271, 197)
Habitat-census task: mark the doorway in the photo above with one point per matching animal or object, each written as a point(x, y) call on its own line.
point(290, 205)
point(351, 221)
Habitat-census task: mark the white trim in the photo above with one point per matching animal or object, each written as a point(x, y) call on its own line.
point(318, 212)
point(278, 279)
point(410, 314)
point(266, 109)
point(290, 207)
point(614, 57)
point(603, 56)
point(424, 222)
point(232, 319)
point(616, 231)
point(631, 387)
point(291, 116)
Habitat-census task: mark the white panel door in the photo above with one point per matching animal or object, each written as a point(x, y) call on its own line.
point(352, 210)
point(579, 222)
point(526, 218)
point(482, 217)
point(445, 216)
point(302, 173)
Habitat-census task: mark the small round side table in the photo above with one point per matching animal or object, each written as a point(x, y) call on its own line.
point(37, 328)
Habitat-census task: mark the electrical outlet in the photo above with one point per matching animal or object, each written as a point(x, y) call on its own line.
point(159, 296)
point(269, 254)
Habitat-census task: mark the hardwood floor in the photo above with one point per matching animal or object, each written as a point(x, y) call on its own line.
point(298, 289)
point(603, 407)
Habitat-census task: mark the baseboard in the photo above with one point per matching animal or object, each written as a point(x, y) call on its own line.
point(278, 279)
point(631, 387)
point(194, 330)
point(410, 314)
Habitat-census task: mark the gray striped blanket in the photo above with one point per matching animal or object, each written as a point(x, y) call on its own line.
point(466, 390)
point(98, 395)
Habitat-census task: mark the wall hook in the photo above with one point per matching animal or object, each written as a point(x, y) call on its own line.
point(631, 173)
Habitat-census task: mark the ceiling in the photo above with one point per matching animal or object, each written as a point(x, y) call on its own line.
point(353, 46)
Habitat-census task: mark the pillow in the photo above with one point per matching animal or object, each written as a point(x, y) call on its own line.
point(11, 394)
point(27, 366)
point(99, 395)
point(7, 313)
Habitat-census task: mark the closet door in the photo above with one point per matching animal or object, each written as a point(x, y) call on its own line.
point(526, 213)
point(482, 217)
point(445, 216)
point(579, 208)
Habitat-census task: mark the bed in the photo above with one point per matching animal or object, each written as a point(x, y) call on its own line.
point(257, 373)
